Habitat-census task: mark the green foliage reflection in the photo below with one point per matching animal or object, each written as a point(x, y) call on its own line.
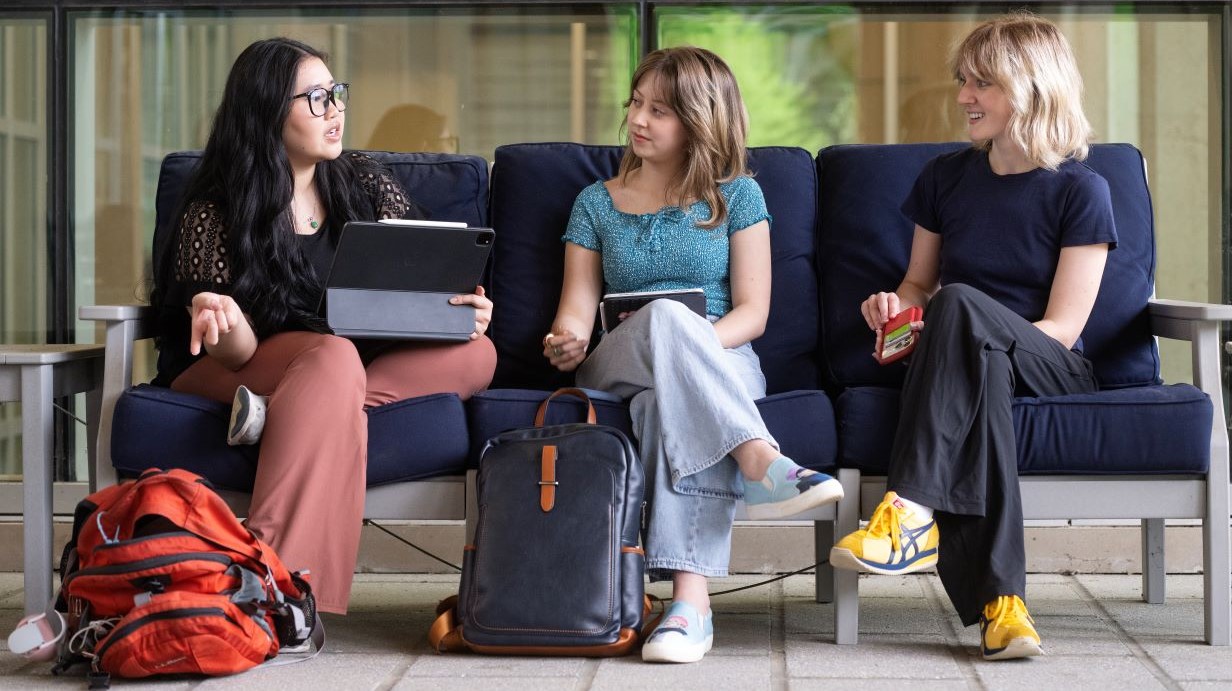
point(794, 66)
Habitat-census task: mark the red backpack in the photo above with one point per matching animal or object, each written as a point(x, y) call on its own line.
point(161, 578)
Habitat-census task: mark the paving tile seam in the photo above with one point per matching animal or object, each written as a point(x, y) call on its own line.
point(938, 600)
point(1140, 653)
point(779, 674)
point(410, 668)
point(590, 669)
point(397, 674)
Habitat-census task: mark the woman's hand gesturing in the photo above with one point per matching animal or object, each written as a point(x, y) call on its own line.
point(213, 316)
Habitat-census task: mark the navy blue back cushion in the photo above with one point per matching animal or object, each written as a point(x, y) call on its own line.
point(864, 243)
point(1117, 338)
point(533, 189)
point(451, 187)
point(788, 350)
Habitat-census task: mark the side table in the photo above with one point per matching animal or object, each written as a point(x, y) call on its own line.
point(35, 375)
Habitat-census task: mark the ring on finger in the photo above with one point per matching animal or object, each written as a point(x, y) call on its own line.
point(556, 351)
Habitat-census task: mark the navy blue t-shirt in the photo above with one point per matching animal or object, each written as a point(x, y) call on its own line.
point(1003, 234)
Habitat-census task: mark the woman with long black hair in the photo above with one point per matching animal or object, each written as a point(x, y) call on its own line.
point(260, 223)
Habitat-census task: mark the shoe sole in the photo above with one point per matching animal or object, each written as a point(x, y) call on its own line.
point(235, 437)
point(676, 652)
point(842, 558)
point(1016, 648)
point(827, 492)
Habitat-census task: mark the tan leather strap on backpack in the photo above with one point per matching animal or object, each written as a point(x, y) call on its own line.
point(541, 414)
point(547, 478)
point(651, 618)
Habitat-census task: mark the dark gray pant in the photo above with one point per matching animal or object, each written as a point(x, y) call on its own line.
point(955, 449)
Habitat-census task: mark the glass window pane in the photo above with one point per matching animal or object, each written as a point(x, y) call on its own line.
point(454, 79)
point(469, 79)
point(821, 75)
point(23, 206)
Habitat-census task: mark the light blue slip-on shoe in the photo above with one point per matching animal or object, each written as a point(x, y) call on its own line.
point(789, 489)
point(682, 636)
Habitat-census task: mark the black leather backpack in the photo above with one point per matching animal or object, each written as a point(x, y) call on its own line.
point(556, 567)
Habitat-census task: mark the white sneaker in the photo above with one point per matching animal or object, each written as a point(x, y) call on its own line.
point(247, 417)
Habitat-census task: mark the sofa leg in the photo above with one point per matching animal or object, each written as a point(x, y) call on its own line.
point(1216, 579)
point(847, 583)
point(1153, 569)
point(823, 539)
point(472, 505)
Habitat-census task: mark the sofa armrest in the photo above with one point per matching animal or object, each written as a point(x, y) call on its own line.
point(1199, 323)
point(1187, 310)
point(125, 324)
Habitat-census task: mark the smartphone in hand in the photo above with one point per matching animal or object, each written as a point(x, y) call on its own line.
point(898, 339)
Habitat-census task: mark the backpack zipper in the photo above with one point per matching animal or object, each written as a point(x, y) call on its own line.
point(152, 562)
point(184, 613)
point(144, 538)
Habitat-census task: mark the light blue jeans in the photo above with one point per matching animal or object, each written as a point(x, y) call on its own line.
point(691, 401)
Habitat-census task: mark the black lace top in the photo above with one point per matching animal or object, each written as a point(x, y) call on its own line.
point(202, 262)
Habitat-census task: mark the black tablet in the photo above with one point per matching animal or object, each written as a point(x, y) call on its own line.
point(393, 279)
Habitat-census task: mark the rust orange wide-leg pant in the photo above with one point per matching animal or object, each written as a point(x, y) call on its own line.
point(308, 499)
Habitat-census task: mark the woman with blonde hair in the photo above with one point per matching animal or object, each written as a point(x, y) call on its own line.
point(1010, 242)
point(683, 212)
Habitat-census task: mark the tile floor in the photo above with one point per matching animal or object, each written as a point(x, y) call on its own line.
point(1097, 633)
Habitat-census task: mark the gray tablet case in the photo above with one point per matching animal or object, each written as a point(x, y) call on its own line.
point(395, 281)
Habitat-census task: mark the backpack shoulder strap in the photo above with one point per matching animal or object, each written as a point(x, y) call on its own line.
point(290, 656)
point(653, 609)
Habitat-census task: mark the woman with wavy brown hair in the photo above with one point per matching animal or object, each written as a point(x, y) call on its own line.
point(683, 212)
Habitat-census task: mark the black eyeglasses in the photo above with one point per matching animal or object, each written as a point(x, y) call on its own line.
point(318, 97)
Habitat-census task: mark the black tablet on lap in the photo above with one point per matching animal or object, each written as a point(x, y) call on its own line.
point(393, 280)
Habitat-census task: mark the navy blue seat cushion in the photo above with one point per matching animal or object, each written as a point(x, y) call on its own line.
point(801, 421)
point(156, 427)
point(417, 438)
point(533, 189)
point(865, 243)
point(1135, 430)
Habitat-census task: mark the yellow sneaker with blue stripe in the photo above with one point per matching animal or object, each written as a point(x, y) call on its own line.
point(896, 541)
point(1007, 630)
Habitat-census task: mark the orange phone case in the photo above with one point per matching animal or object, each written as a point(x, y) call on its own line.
point(899, 340)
